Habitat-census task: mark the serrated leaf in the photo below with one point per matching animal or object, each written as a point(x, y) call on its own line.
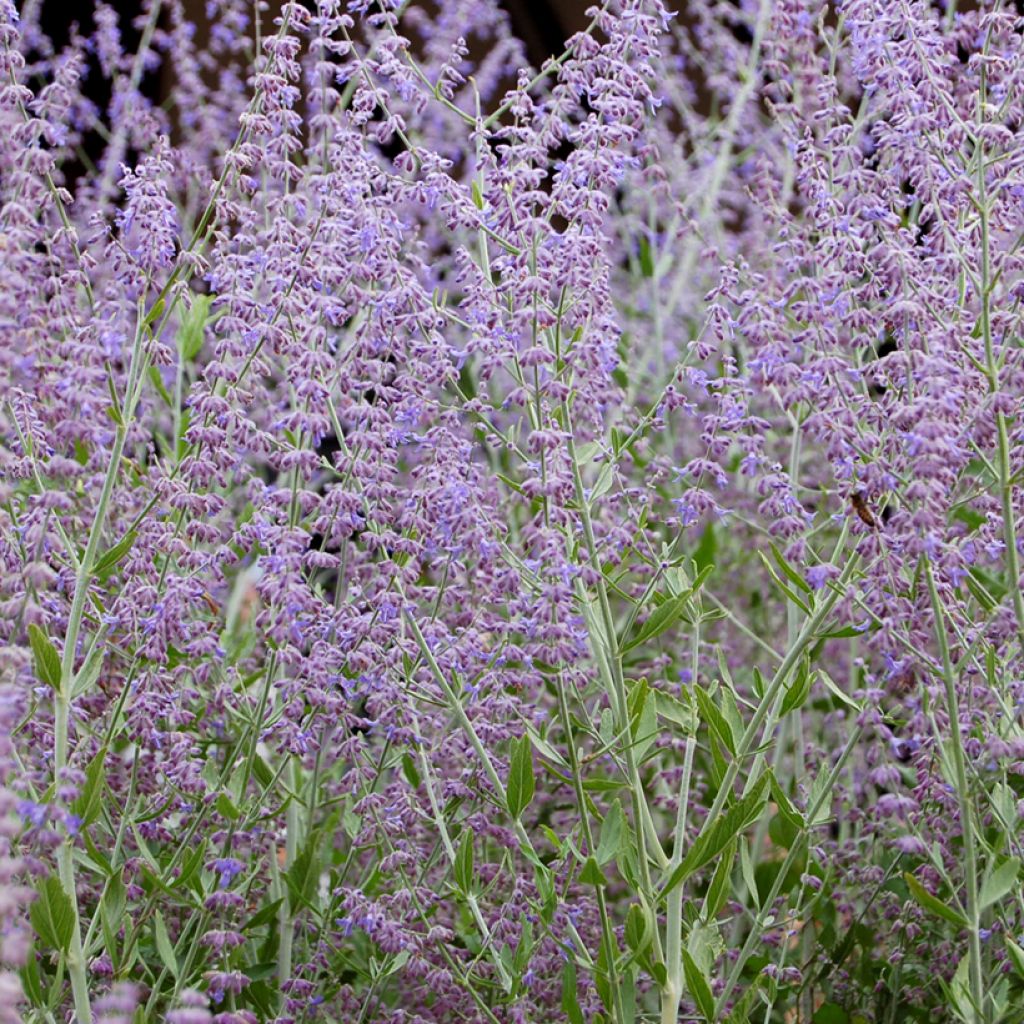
point(786, 807)
point(698, 987)
point(545, 749)
point(521, 783)
point(705, 944)
point(611, 833)
point(662, 619)
point(717, 834)
point(52, 915)
point(673, 710)
point(44, 657)
point(714, 718)
point(798, 691)
point(999, 883)
point(463, 866)
point(931, 903)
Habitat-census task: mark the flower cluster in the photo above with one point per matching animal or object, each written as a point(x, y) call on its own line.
point(503, 543)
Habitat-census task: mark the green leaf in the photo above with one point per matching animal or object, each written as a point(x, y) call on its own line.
point(999, 883)
point(833, 688)
point(107, 562)
point(463, 866)
point(788, 591)
point(606, 958)
point(190, 337)
point(706, 550)
point(638, 932)
point(154, 314)
point(45, 657)
point(791, 574)
point(52, 915)
point(662, 619)
point(31, 984)
point(157, 380)
point(643, 717)
point(611, 833)
point(603, 785)
point(721, 883)
point(830, 1013)
point(521, 782)
point(716, 721)
point(410, 771)
point(646, 257)
point(1016, 955)
point(88, 673)
point(257, 972)
point(191, 873)
point(786, 807)
point(716, 834)
point(90, 798)
point(113, 902)
point(226, 807)
point(705, 945)
point(570, 997)
point(673, 710)
point(545, 749)
point(592, 874)
point(164, 946)
point(747, 871)
point(263, 916)
point(303, 875)
point(798, 691)
point(842, 633)
point(698, 987)
point(932, 903)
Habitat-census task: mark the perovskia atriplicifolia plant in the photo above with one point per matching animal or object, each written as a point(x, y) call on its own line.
point(495, 543)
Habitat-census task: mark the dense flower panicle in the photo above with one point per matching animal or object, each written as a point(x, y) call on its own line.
point(436, 493)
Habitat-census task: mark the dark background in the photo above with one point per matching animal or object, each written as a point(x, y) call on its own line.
point(542, 25)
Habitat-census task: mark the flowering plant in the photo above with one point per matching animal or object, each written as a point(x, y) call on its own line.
point(502, 543)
